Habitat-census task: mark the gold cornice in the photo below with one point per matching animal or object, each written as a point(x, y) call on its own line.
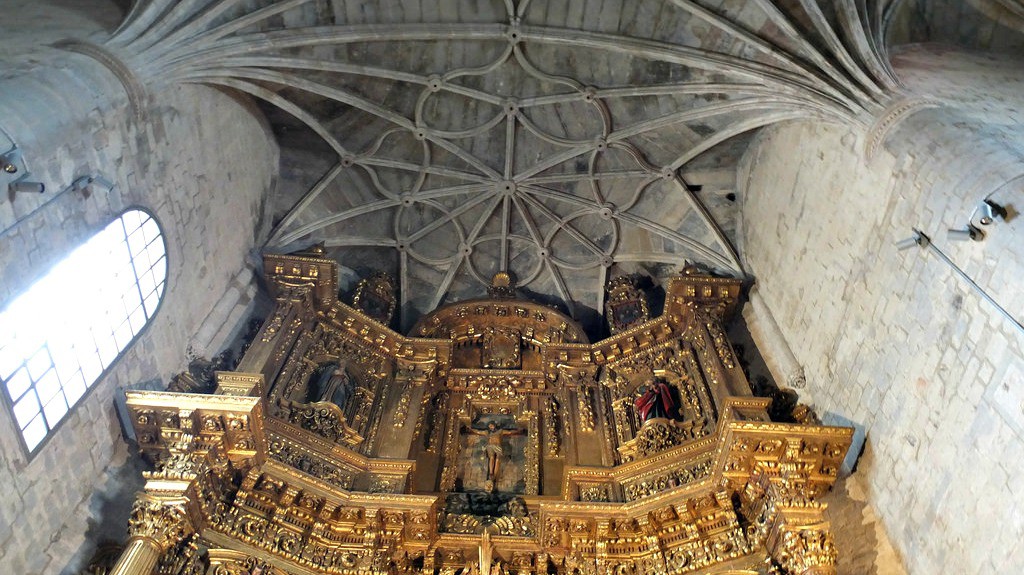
point(334, 451)
point(244, 549)
point(689, 452)
point(184, 401)
point(341, 497)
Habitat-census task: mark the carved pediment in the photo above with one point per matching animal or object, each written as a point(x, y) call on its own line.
point(322, 418)
point(658, 434)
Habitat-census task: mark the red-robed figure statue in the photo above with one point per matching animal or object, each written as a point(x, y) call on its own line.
point(656, 401)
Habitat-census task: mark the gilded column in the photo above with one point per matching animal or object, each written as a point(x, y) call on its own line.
point(792, 524)
point(168, 511)
point(156, 524)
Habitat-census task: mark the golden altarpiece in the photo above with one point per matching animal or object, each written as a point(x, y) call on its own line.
point(494, 438)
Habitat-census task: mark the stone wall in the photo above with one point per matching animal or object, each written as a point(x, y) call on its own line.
point(995, 25)
point(893, 341)
point(202, 162)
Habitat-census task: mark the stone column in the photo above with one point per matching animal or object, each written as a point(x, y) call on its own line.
point(774, 348)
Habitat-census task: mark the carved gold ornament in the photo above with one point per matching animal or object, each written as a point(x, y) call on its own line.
point(495, 425)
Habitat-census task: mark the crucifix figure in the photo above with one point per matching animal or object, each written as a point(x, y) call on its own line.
point(492, 448)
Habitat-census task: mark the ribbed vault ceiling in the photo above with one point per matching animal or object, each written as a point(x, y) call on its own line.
point(565, 141)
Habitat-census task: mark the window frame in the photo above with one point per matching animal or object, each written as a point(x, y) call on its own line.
point(5, 396)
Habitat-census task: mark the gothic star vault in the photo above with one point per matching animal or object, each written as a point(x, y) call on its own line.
point(565, 142)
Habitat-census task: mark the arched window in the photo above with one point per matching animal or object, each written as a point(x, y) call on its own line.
point(59, 337)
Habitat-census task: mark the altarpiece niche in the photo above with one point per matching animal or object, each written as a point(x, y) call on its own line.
point(492, 438)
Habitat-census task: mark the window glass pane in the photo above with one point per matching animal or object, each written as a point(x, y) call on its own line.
point(122, 336)
point(137, 242)
point(18, 384)
point(74, 388)
point(64, 331)
point(34, 432)
point(152, 232)
point(137, 320)
point(156, 251)
point(26, 409)
point(48, 386)
point(147, 283)
point(151, 302)
point(55, 409)
point(130, 301)
point(39, 363)
point(107, 348)
point(133, 219)
point(160, 270)
point(124, 279)
point(65, 361)
point(142, 262)
point(92, 367)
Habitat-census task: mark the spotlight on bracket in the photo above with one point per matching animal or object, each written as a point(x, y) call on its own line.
point(23, 186)
point(918, 239)
point(988, 211)
point(8, 159)
point(89, 185)
point(971, 233)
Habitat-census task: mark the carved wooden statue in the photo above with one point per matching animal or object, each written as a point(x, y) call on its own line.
point(656, 401)
point(493, 449)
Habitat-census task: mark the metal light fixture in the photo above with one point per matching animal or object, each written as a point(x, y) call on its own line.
point(982, 221)
point(23, 186)
point(971, 233)
point(88, 185)
point(987, 211)
point(8, 159)
point(916, 240)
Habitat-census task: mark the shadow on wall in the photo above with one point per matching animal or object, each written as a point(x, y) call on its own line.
point(109, 508)
point(864, 548)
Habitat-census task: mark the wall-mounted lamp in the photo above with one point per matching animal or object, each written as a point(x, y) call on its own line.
point(982, 219)
point(9, 159)
point(23, 186)
point(971, 233)
point(987, 212)
point(924, 241)
point(89, 185)
point(916, 240)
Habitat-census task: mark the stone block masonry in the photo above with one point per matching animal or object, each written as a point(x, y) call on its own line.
point(203, 164)
point(894, 340)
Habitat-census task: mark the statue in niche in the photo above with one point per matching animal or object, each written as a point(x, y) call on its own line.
point(492, 448)
point(655, 401)
point(332, 383)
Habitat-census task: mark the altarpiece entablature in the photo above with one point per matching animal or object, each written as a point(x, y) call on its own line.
point(494, 438)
